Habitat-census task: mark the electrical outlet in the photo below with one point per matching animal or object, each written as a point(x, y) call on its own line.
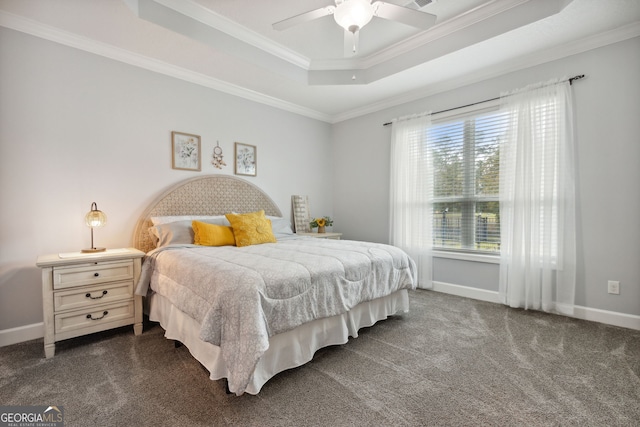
point(613, 287)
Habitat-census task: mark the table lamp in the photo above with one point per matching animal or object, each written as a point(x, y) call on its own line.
point(94, 218)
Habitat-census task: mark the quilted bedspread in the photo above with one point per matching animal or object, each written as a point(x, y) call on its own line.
point(242, 296)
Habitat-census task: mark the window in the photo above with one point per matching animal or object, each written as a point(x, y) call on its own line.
point(466, 162)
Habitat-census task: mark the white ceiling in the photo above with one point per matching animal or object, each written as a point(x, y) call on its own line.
point(230, 45)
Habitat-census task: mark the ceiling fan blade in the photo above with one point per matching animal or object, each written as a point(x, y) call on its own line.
point(303, 17)
point(351, 42)
point(407, 16)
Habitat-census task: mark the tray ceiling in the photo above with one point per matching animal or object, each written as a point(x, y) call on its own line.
point(230, 45)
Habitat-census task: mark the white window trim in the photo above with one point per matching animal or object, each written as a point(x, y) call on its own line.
point(468, 256)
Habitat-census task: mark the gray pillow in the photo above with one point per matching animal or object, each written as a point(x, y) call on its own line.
point(180, 232)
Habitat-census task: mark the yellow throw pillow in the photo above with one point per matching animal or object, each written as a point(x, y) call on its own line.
point(251, 228)
point(205, 234)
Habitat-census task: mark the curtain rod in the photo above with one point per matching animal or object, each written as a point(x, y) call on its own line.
point(571, 80)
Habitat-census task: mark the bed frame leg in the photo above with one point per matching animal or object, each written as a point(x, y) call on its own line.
point(177, 344)
point(226, 386)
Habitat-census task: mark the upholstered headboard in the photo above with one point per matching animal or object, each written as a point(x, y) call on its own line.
point(204, 195)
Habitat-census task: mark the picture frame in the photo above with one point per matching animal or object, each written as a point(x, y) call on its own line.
point(185, 151)
point(246, 159)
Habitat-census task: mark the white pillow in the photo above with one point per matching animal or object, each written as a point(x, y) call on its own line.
point(215, 219)
point(172, 233)
point(280, 226)
point(181, 231)
point(177, 229)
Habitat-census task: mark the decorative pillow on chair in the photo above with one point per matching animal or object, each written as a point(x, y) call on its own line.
point(251, 228)
point(212, 234)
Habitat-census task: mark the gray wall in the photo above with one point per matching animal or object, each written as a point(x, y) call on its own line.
point(78, 128)
point(607, 116)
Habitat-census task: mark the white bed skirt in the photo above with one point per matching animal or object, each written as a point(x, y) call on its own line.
point(287, 350)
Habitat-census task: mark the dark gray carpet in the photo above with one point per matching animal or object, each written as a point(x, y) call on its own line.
point(450, 361)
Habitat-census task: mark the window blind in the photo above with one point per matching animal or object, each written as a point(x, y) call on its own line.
point(466, 160)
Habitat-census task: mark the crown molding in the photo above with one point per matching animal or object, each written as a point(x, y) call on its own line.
point(450, 26)
point(38, 29)
point(470, 27)
point(625, 32)
point(221, 23)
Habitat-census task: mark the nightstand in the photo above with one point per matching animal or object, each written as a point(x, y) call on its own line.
point(87, 293)
point(334, 236)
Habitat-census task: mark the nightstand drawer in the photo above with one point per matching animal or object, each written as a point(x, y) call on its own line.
point(87, 274)
point(94, 318)
point(91, 296)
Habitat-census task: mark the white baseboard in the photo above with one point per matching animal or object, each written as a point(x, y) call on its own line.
point(21, 334)
point(466, 291)
point(585, 313)
point(36, 330)
point(609, 317)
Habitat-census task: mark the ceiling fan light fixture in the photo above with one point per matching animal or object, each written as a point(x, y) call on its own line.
point(352, 15)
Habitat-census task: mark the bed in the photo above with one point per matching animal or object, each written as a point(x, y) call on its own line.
point(249, 312)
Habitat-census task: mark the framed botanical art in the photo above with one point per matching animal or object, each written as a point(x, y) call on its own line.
point(185, 151)
point(245, 159)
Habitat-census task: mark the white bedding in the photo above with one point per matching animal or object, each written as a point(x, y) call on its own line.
point(240, 297)
point(287, 350)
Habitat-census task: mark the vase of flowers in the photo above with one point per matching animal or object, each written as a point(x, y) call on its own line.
point(321, 223)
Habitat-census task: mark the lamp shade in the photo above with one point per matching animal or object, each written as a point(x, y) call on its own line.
point(352, 15)
point(95, 217)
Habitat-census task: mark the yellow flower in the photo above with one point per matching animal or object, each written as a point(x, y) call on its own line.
point(321, 222)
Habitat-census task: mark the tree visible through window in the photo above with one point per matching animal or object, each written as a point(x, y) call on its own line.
point(466, 163)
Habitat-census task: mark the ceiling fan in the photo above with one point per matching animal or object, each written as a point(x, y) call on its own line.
point(352, 15)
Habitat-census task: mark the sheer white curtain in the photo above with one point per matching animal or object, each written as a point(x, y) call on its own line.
point(537, 199)
point(411, 209)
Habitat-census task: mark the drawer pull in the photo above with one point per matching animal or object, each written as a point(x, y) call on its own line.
point(104, 313)
point(88, 295)
point(96, 274)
